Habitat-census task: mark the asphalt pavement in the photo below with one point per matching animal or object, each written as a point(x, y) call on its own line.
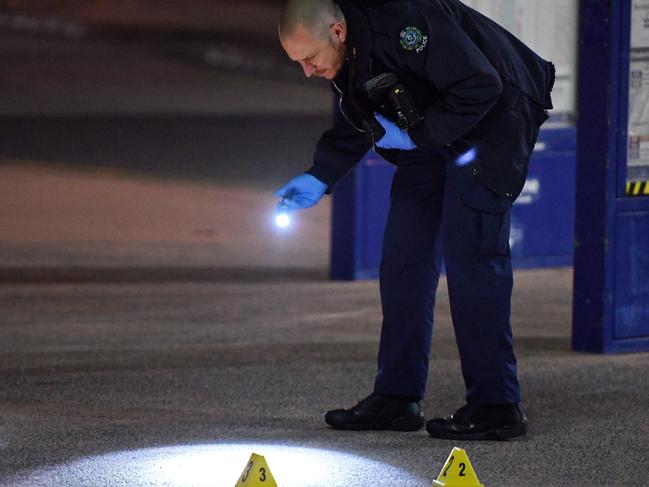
point(161, 331)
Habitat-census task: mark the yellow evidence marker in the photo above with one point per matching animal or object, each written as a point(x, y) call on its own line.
point(457, 471)
point(256, 473)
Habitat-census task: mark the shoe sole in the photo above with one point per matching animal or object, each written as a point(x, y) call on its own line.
point(406, 423)
point(499, 434)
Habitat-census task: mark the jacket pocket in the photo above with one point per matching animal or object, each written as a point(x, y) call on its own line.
point(489, 217)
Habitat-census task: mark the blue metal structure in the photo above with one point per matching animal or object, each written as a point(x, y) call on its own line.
point(543, 215)
point(360, 209)
point(611, 287)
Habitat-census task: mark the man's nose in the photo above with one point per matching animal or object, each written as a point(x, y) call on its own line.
point(309, 69)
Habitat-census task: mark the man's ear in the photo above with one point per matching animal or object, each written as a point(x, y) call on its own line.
point(338, 31)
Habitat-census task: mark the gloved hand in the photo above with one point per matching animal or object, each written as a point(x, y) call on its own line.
point(303, 191)
point(394, 138)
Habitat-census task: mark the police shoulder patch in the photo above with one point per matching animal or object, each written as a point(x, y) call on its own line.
point(412, 39)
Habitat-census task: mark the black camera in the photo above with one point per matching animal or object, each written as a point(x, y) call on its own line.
point(394, 101)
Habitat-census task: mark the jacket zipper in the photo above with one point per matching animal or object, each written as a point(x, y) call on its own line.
point(340, 105)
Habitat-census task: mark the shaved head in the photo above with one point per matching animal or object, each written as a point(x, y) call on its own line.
point(313, 33)
point(316, 16)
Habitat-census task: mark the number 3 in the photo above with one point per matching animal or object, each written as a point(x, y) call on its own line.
point(244, 477)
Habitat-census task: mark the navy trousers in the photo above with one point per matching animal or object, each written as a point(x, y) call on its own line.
point(439, 211)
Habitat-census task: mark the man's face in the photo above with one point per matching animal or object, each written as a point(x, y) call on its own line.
point(318, 57)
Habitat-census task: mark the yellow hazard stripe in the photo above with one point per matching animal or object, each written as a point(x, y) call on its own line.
point(637, 188)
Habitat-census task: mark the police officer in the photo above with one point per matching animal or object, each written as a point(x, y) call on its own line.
point(461, 160)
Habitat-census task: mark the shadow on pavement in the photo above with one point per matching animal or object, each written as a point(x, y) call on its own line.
point(232, 148)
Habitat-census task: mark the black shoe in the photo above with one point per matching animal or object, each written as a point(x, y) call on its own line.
point(480, 422)
point(378, 412)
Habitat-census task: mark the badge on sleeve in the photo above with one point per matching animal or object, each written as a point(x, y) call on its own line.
point(412, 39)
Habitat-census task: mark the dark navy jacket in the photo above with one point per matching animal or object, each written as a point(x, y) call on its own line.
point(476, 84)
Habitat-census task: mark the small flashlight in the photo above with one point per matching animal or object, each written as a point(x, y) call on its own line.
point(282, 218)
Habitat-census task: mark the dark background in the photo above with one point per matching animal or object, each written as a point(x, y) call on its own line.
point(193, 89)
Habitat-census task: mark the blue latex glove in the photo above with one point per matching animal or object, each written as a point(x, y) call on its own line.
point(303, 191)
point(394, 138)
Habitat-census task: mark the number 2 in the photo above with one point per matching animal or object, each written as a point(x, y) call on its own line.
point(462, 467)
point(450, 462)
